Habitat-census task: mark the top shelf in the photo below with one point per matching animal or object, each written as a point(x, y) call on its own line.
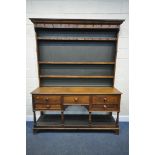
point(76, 38)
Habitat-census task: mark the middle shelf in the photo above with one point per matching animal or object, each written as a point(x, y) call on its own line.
point(71, 76)
point(65, 62)
point(76, 70)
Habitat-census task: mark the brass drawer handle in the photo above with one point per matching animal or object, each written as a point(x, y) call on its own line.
point(105, 106)
point(47, 106)
point(76, 99)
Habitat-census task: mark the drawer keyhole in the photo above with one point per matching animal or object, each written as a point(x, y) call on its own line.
point(105, 99)
point(46, 99)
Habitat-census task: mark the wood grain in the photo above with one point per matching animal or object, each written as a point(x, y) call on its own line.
point(47, 99)
point(76, 90)
point(80, 63)
point(72, 99)
point(76, 21)
point(72, 76)
point(104, 99)
point(76, 38)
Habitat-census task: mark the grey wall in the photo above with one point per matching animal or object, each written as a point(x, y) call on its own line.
point(89, 9)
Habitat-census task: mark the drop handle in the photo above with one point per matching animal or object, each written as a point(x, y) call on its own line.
point(104, 106)
point(47, 106)
point(46, 99)
point(75, 99)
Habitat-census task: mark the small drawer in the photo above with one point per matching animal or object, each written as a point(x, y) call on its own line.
point(105, 107)
point(47, 106)
point(76, 99)
point(48, 99)
point(106, 99)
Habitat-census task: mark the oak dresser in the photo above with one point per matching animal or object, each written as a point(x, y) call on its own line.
point(76, 67)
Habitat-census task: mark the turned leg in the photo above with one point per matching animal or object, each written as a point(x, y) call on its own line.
point(117, 132)
point(117, 124)
point(41, 112)
point(117, 119)
point(110, 113)
point(34, 118)
point(35, 131)
point(90, 119)
point(62, 117)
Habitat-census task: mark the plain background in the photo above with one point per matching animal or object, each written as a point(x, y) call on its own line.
point(13, 77)
point(82, 9)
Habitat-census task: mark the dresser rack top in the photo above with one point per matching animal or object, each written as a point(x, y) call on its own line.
point(76, 21)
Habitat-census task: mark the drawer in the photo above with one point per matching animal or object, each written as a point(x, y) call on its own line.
point(104, 107)
point(47, 106)
point(106, 99)
point(76, 99)
point(48, 99)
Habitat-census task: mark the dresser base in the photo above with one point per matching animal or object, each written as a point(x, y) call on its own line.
point(76, 122)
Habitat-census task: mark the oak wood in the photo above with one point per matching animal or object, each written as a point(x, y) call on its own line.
point(90, 119)
point(104, 99)
point(76, 90)
point(73, 76)
point(34, 117)
point(76, 99)
point(47, 106)
point(76, 38)
point(101, 128)
point(48, 99)
point(95, 63)
point(79, 26)
point(115, 58)
point(105, 107)
point(37, 53)
point(76, 21)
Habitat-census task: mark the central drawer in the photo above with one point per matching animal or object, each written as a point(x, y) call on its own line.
point(76, 99)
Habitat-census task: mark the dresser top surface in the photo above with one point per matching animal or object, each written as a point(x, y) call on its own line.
point(76, 90)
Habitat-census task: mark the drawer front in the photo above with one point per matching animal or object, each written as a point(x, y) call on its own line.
point(76, 99)
point(106, 99)
point(47, 106)
point(47, 99)
point(104, 107)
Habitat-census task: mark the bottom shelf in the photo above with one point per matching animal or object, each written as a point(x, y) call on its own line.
point(78, 122)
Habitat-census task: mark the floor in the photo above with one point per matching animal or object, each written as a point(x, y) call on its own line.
point(77, 143)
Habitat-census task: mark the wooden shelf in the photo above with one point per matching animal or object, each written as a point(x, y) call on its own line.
point(82, 63)
point(77, 38)
point(69, 76)
point(75, 120)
